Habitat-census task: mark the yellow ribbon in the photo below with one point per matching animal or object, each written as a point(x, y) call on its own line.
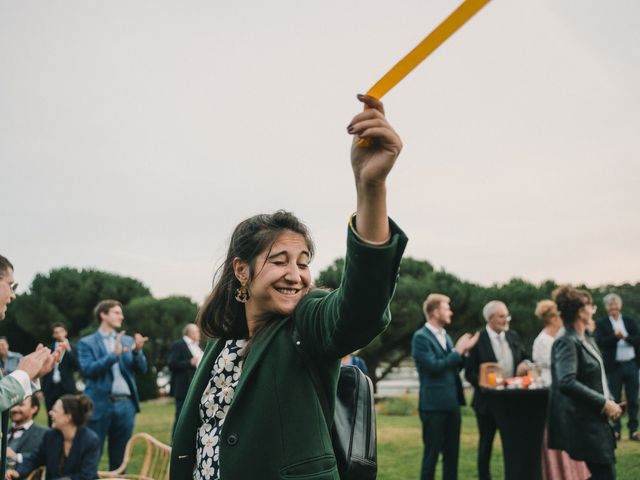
point(436, 38)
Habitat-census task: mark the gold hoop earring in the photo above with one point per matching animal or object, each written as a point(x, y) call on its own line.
point(242, 294)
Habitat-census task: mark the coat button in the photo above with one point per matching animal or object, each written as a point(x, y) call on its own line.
point(232, 439)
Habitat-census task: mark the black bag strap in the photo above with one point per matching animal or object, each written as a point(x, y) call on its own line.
point(315, 378)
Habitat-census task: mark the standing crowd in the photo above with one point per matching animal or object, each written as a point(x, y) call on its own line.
point(276, 350)
point(584, 365)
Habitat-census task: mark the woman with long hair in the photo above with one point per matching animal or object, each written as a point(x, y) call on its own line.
point(252, 410)
point(580, 404)
point(69, 450)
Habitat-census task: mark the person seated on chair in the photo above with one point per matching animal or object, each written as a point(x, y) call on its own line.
point(24, 437)
point(69, 450)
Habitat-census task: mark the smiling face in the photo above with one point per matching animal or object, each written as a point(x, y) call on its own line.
point(59, 419)
point(499, 321)
point(7, 295)
point(613, 308)
point(281, 277)
point(23, 412)
point(113, 318)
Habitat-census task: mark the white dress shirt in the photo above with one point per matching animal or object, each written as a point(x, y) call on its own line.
point(624, 350)
point(194, 348)
point(502, 350)
point(440, 333)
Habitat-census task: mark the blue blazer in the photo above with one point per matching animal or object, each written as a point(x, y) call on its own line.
point(438, 369)
point(95, 365)
point(82, 463)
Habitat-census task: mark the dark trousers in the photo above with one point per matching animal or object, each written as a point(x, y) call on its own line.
point(440, 433)
point(487, 428)
point(625, 374)
point(602, 471)
point(179, 403)
point(116, 423)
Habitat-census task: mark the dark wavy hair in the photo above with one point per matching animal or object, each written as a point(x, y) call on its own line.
point(79, 407)
point(5, 265)
point(570, 300)
point(221, 315)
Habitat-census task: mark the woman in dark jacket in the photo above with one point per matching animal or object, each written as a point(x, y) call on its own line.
point(580, 406)
point(70, 451)
point(252, 410)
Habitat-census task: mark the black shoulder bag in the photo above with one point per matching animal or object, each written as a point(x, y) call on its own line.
point(353, 427)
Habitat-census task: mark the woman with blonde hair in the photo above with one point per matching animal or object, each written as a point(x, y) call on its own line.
point(556, 464)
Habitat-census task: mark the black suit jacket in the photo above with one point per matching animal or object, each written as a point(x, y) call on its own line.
point(575, 421)
point(483, 352)
point(29, 441)
point(182, 371)
point(67, 366)
point(82, 463)
point(607, 341)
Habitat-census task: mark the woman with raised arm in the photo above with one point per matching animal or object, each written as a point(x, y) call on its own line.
point(252, 410)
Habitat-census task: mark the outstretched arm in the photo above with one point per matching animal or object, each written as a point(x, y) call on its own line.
point(371, 165)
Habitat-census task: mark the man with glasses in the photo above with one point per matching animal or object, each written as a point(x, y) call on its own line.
point(16, 386)
point(619, 341)
point(496, 344)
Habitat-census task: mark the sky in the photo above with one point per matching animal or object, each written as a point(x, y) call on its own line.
point(134, 135)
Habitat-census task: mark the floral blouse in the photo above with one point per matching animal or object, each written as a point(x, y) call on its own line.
point(214, 405)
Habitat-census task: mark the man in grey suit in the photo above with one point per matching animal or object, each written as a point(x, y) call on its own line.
point(25, 436)
point(16, 386)
point(439, 362)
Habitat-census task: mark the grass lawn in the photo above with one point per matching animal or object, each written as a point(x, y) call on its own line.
point(399, 444)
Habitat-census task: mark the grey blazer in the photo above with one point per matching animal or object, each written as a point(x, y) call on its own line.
point(29, 442)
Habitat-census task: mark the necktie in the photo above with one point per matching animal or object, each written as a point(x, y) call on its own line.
point(506, 362)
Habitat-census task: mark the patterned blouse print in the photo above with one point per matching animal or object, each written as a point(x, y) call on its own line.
point(214, 405)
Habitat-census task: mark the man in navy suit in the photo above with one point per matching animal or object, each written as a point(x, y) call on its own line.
point(183, 359)
point(497, 343)
point(619, 341)
point(60, 381)
point(439, 363)
point(108, 362)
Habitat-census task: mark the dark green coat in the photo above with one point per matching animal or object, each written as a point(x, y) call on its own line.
point(275, 428)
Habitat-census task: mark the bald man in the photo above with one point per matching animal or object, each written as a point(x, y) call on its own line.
point(184, 357)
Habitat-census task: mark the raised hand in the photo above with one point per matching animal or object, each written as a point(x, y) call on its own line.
point(117, 346)
point(37, 362)
point(371, 164)
point(139, 341)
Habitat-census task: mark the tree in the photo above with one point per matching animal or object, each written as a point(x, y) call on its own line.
point(162, 321)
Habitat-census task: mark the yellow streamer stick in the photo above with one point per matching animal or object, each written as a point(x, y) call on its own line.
point(432, 41)
point(436, 38)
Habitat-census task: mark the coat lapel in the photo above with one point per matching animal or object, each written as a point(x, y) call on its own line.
point(258, 349)
point(431, 336)
point(488, 347)
point(185, 433)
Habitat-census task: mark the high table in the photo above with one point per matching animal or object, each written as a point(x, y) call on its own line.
point(521, 416)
